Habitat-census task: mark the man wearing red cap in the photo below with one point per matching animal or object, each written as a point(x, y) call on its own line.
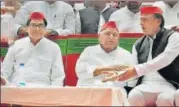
point(106, 53)
point(157, 58)
point(33, 60)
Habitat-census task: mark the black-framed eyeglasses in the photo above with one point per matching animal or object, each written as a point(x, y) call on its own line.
point(37, 25)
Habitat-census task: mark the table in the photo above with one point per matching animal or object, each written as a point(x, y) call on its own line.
point(63, 96)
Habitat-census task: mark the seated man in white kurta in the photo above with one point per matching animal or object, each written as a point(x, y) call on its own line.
point(34, 60)
point(106, 53)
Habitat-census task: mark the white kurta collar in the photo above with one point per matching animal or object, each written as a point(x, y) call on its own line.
point(152, 38)
point(174, 7)
point(38, 44)
point(106, 7)
point(110, 53)
point(50, 5)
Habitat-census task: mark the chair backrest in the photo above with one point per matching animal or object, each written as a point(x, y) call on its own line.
point(71, 77)
point(75, 45)
point(4, 49)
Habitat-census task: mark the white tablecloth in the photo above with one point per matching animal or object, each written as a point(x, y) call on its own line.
point(60, 96)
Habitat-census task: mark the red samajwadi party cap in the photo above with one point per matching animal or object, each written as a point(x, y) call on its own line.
point(36, 15)
point(109, 24)
point(150, 10)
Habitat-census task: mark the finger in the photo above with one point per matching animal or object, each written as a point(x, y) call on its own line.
point(123, 77)
point(106, 72)
point(109, 78)
point(125, 66)
point(122, 67)
point(3, 82)
point(107, 75)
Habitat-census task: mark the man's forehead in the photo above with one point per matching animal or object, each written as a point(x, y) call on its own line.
point(38, 21)
point(146, 16)
point(110, 30)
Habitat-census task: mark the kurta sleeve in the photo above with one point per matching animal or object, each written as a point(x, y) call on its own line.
point(8, 63)
point(57, 72)
point(162, 60)
point(132, 82)
point(85, 66)
point(77, 23)
point(134, 55)
point(69, 22)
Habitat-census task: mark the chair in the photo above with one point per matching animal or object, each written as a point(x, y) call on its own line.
point(71, 77)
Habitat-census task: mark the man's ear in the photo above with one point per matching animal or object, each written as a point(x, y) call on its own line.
point(99, 34)
point(159, 21)
point(119, 37)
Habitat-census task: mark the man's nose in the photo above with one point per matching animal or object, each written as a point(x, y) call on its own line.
point(111, 36)
point(37, 27)
point(141, 23)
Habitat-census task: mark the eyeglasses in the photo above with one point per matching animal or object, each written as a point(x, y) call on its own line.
point(37, 25)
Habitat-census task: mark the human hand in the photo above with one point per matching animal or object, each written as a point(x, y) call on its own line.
point(50, 32)
point(120, 75)
point(176, 28)
point(4, 39)
point(112, 68)
point(3, 81)
point(110, 76)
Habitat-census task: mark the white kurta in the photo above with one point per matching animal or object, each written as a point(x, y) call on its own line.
point(171, 15)
point(153, 81)
point(95, 56)
point(77, 22)
point(8, 24)
point(79, 6)
point(127, 21)
point(36, 65)
point(60, 15)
